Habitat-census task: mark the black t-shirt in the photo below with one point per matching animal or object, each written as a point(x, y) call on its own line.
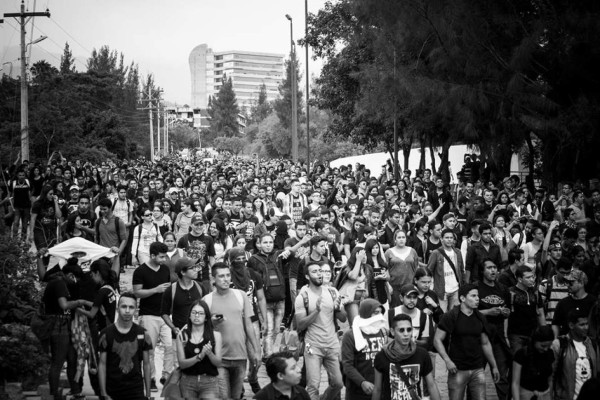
point(465, 339)
point(106, 301)
point(567, 304)
point(86, 220)
point(124, 356)
point(414, 367)
point(431, 247)
point(535, 368)
point(294, 260)
point(490, 297)
point(55, 289)
point(199, 248)
point(255, 284)
point(182, 304)
point(149, 279)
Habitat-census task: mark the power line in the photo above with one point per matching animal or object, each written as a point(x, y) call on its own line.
point(69, 35)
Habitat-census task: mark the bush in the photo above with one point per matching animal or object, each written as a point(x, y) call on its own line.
point(21, 356)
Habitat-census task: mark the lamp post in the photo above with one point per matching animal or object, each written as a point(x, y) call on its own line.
point(294, 84)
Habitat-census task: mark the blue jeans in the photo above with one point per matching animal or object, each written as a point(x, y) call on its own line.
point(274, 317)
point(23, 215)
point(199, 386)
point(231, 379)
point(328, 358)
point(156, 328)
point(473, 379)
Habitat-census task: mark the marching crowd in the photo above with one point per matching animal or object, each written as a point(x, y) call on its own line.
point(368, 278)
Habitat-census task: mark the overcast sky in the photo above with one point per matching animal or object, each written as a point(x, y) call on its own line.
point(156, 34)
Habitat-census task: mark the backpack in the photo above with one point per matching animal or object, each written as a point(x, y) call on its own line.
point(103, 310)
point(174, 287)
point(116, 229)
point(115, 203)
point(239, 295)
point(140, 234)
point(273, 281)
point(304, 294)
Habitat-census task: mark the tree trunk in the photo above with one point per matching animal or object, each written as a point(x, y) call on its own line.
point(406, 148)
point(422, 161)
point(432, 155)
point(530, 163)
point(444, 170)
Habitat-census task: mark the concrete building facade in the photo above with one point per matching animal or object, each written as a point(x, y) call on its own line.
point(247, 70)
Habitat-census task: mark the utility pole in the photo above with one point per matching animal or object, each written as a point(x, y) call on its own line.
point(151, 127)
point(307, 91)
point(166, 130)
point(23, 18)
point(158, 125)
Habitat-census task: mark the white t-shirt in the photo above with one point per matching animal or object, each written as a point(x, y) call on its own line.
point(451, 283)
point(583, 369)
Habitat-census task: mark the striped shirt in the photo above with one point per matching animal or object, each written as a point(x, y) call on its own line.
point(552, 295)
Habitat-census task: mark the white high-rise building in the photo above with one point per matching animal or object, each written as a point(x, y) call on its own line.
point(247, 70)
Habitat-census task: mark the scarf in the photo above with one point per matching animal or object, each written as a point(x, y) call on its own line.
point(367, 326)
point(240, 275)
point(393, 350)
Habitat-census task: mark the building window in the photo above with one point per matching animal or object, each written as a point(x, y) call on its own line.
point(218, 57)
point(219, 65)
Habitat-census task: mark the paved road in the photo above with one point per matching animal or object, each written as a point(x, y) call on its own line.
point(440, 368)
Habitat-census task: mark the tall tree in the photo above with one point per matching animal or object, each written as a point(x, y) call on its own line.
point(67, 62)
point(261, 108)
point(223, 110)
point(283, 104)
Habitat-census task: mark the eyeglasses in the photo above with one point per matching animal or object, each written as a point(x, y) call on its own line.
point(197, 313)
point(147, 215)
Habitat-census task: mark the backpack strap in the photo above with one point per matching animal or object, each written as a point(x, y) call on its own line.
point(443, 253)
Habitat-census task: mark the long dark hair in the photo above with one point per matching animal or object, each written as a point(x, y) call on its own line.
point(371, 243)
point(106, 273)
point(209, 334)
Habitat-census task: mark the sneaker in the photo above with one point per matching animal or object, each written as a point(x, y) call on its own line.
point(153, 387)
point(255, 387)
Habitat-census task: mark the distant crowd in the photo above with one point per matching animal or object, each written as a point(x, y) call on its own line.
point(366, 277)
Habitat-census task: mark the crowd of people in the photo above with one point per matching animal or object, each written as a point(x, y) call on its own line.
point(376, 277)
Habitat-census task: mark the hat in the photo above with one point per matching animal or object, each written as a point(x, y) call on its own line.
point(448, 216)
point(367, 306)
point(576, 275)
point(408, 289)
point(183, 263)
point(198, 218)
point(173, 190)
point(554, 246)
point(74, 187)
point(236, 252)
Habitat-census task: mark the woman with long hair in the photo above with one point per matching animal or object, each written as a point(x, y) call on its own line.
point(352, 237)
point(144, 234)
point(173, 253)
point(36, 180)
point(199, 349)
point(501, 234)
point(418, 240)
point(167, 206)
point(164, 222)
point(281, 235)
point(532, 367)
point(45, 214)
point(258, 208)
point(378, 289)
point(402, 260)
point(106, 298)
point(356, 278)
point(223, 242)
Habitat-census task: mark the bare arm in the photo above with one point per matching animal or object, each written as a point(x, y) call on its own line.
point(147, 373)
point(262, 303)
point(102, 374)
point(489, 356)
point(516, 381)
point(377, 386)
point(434, 392)
point(438, 343)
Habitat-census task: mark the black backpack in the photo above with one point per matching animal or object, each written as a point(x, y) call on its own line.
point(273, 281)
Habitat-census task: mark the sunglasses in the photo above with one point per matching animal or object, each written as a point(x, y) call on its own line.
point(147, 215)
point(402, 330)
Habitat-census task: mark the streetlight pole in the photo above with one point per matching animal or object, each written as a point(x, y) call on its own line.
point(294, 85)
point(307, 89)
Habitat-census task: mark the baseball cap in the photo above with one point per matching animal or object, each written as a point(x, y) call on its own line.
point(74, 187)
point(198, 218)
point(408, 289)
point(183, 264)
point(173, 190)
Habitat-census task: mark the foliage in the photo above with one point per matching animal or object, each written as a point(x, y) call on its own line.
point(261, 107)
point(487, 74)
point(71, 110)
point(283, 104)
point(21, 355)
point(234, 145)
point(181, 135)
point(223, 110)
